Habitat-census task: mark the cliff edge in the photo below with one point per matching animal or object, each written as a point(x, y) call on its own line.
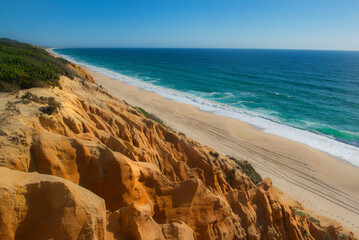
point(78, 163)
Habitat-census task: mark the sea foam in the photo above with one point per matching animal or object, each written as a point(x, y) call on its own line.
point(324, 143)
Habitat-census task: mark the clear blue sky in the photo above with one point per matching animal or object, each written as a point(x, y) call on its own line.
point(288, 24)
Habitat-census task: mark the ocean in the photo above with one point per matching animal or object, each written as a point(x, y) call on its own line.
point(308, 96)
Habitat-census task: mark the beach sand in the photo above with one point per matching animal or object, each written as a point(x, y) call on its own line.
point(326, 186)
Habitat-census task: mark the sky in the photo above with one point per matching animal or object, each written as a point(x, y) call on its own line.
point(273, 24)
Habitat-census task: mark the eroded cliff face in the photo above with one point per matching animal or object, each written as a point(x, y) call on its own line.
point(38, 206)
point(120, 175)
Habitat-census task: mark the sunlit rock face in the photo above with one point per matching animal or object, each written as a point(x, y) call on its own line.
point(119, 175)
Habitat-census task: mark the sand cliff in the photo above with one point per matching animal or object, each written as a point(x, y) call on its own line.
point(96, 168)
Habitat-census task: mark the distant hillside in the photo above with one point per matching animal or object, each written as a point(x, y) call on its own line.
point(25, 66)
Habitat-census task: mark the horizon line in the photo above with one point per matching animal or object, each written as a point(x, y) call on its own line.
point(224, 48)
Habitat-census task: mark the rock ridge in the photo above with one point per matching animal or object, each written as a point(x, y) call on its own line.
point(107, 172)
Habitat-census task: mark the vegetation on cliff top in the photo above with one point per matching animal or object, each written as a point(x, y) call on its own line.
point(247, 169)
point(52, 104)
point(142, 111)
point(24, 66)
point(299, 213)
point(151, 116)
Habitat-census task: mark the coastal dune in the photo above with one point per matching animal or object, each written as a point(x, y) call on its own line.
point(325, 185)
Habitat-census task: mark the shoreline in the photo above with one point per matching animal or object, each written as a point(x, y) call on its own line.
point(295, 168)
point(322, 183)
point(340, 150)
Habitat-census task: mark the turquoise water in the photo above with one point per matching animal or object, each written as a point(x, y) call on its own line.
point(308, 96)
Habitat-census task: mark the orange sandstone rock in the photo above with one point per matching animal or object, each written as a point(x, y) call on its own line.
point(136, 222)
point(79, 70)
point(155, 183)
point(37, 206)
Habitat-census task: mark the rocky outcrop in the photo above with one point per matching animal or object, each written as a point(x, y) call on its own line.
point(136, 222)
point(80, 72)
point(156, 184)
point(37, 206)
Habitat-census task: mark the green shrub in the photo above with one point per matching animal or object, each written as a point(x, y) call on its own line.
point(299, 213)
point(8, 87)
point(157, 119)
point(314, 220)
point(25, 66)
point(214, 154)
point(182, 134)
point(151, 116)
point(28, 96)
point(247, 169)
point(142, 111)
point(343, 236)
point(10, 105)
point(51, 107)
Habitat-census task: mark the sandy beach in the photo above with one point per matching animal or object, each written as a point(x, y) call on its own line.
point(185, 120)
point(323, 184)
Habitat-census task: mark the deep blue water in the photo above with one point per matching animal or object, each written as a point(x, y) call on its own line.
point(282, 91)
